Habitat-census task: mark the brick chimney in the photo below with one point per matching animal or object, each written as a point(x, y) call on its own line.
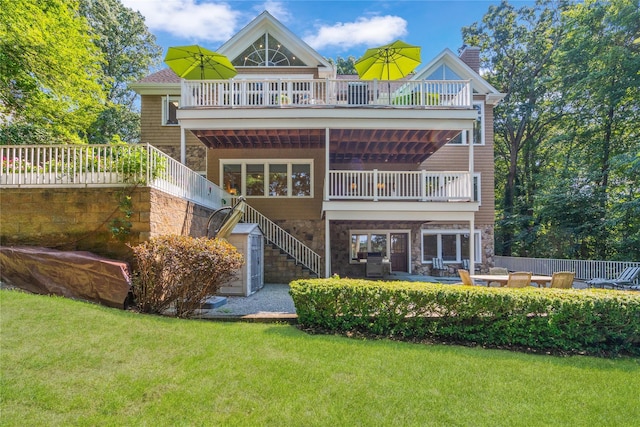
point(470, 55)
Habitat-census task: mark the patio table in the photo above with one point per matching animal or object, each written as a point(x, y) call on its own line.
point(541, 281)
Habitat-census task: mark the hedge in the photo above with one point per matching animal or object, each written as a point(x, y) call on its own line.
point(596, 322)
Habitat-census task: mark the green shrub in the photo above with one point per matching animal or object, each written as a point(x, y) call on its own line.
point(181, 272)
point(596, 322)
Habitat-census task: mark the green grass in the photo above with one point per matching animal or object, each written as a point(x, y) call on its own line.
point(65, 362)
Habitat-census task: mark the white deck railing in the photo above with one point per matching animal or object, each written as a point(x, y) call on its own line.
point(409, 185)
point(584, 269)
point(105, 166)
point(286, 242)
point(329, 92)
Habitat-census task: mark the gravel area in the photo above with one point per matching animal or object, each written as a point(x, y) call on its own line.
point(272, 299)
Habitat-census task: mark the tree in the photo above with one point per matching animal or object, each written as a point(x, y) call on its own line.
point(344, 65)
point(567, 141)
point(599, 62)
point(129, 52)
point(49, 69)
point(517, 47)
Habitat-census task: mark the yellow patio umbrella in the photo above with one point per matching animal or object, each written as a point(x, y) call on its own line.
point(195, 62)
point(389, 62)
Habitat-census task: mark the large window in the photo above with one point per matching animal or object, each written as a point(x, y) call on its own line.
point(478, 129)
point(450, 245)
point(260, 178)
point(170, 105)
point(364, 241)
point(267, 51)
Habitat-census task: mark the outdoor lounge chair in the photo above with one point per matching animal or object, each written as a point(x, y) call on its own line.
point(562, 279)
point(625, 280)
point(519, 280)
point(466, 265)
point(437, 267)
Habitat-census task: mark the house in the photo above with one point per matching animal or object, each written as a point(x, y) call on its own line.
point(347, 167)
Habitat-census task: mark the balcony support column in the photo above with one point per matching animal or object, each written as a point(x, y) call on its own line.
point(183, 146)
point(471, 162)
point(327, 248)
point(327, 138)
point(472, 244)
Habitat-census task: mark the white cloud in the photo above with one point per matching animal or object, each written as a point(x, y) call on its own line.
point(276, 8)
point(368, 32)
point(203, 21)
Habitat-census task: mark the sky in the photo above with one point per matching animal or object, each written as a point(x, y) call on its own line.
point(337, 28)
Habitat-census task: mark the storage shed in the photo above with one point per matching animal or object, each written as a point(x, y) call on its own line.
point(249, 241)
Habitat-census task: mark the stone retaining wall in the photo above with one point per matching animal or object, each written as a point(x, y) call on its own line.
point(82, 218)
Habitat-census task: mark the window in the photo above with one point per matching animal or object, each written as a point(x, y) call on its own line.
point(259, 178)
point(364, 241)
point(476, 188)
point(267, 51)
point(444, 72)
point(478, 129)
point(170, 105)
point(450, 245)
point(278, 180)
point(232, 179)
point(255, 180)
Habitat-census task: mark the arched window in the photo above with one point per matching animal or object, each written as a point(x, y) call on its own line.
point(267, 51)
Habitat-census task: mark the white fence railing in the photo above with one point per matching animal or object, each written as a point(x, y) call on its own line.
point(330, 92)
point(105, 166)
point(285, 241)
point(584, 269)
point(408, 185)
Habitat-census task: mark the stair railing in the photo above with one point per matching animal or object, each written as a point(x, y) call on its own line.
point(293, 247)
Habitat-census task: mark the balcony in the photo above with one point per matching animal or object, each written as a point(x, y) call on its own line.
point(399, 186)
point(301, 93)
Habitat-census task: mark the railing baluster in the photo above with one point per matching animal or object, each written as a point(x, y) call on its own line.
point(584, 269)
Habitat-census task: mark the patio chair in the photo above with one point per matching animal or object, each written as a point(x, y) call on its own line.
point(519, 280)
point(437, 267)
point(497, 271)
point(625, 280)
point(465, 277)
point(562, 279)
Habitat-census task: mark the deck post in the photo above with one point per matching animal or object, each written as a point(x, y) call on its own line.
point(327, 248)
point(183, 146)
point(472, 244)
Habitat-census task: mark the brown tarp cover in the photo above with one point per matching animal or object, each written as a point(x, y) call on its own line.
point(75, 274)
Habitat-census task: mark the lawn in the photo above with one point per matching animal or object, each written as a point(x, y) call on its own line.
point(66, 362)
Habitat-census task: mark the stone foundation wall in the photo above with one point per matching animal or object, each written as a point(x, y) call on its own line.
point(81, 218)
point(196, 155)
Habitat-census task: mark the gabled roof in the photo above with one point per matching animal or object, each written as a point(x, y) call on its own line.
point(163, 82)
point(266, 23)
point(478, 84)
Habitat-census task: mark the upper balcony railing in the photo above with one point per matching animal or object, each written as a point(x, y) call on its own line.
point(399, 186)
point(329, 92)
point(105, 166)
